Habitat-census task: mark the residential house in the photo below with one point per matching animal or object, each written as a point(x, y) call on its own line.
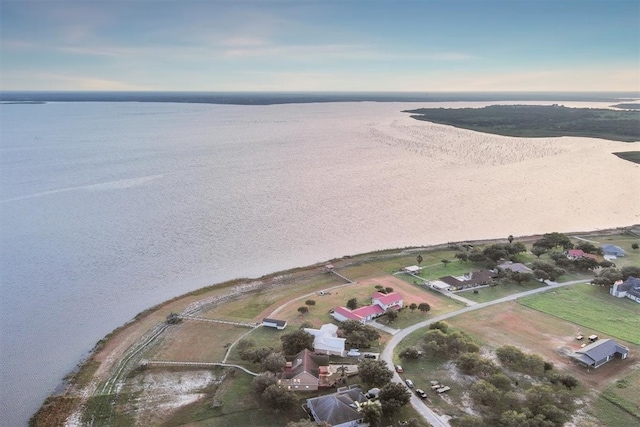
point(630, 288)
point(476, 278)
point(326, 340)
point(274, 323)
point(305, 372)
point(340, 409)
point(600, 352)
point(516, 267)
point(612, 251)
point(380, 304)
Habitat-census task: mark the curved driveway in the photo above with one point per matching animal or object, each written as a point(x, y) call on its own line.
point(387, 354)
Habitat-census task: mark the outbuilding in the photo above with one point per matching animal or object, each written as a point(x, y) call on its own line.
point(274, 323)
point(600, 352)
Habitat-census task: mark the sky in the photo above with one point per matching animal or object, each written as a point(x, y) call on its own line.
point(313, 45)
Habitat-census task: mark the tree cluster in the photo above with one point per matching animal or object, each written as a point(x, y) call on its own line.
point(500, 403)
point(608, 276)
point(440, 342)
point(546, 271)
point(553, 240)
point(374, 373)
point(491, 254)
point(249, 352)
point(296, 341)
point(516, 360)
point(358, 334)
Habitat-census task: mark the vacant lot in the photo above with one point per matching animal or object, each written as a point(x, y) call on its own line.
point(591, 307)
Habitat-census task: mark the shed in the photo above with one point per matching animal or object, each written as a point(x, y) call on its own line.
point(274, 323)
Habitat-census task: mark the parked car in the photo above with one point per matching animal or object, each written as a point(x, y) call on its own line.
point(399, 369)
point(409, 383)
point(421, 394)
point(370, 356)
point(354, 352)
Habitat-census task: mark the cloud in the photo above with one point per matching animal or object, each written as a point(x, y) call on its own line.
point(66, 82)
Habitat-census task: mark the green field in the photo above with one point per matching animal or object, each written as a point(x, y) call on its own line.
point(591, 307)
point(619, 404)
point(490, 293)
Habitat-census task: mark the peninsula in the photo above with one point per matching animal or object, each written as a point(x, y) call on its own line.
point(539, 121)
point(210, 358)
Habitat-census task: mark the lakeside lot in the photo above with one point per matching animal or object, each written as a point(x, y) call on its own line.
point(544, 324)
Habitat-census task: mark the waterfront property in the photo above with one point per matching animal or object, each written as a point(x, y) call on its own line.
point(340, 409)
point(305, 372)
point(630, 288)
point(379, 305)
point(600, 352)
point(612, 251)
point(326, 340)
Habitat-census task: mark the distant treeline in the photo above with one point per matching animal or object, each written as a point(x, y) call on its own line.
point(535, 121)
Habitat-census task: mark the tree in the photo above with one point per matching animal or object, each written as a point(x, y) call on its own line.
point(413, 306)
point(342, 370)
point(462, 256)
point(440, 325)
point(630, 271)
point(419, 259)
point(275, 362)
point(388, 290)
point(278, 398)
point(424, 307)
point(303, 310)
point(310, 302)
point(296, 341)
point(537, 251)
point(372, 413)
point(484, 393)
point(589, 248)
point(607, 277)
point(392, 315)
point(445, 262)
point(374, 372)
point(352, 304)
point(306, 324)
point(635, 246)
point(541, 275)
point(262, 381)
point(510, 238)
point(393, 396)
point(411, 353)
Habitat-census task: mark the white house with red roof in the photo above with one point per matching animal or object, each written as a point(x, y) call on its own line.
point(380, 304)
point(579, 253)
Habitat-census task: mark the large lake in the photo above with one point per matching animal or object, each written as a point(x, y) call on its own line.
point(109, 208)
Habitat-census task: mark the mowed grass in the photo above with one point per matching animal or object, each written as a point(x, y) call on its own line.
point(624, 394)
point(489, 293)
point(194, 341)
point(592, 307)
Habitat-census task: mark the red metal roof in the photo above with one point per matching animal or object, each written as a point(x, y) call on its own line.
point(387, 299)
point(347, 313)
point(368, 310)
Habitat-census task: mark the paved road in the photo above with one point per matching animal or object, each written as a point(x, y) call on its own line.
point(387, 354)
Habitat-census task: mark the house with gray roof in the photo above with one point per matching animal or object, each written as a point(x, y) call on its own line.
point(340, 409)
point(612, 251)
point(630, 288)
point(600, 352)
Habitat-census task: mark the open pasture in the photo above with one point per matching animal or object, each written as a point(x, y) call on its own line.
point(591, 307)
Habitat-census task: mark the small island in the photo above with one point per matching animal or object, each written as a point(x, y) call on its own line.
point(536, 121)
point(467, 333)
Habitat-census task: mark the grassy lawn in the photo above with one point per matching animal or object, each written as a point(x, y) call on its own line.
point(490, 293)
point(619, 404)
point(591, 307)
point(196, 342)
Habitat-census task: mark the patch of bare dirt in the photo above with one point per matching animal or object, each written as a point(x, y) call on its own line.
point(162, 393)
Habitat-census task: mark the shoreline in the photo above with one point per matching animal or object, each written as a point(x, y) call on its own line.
point(109, 350)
